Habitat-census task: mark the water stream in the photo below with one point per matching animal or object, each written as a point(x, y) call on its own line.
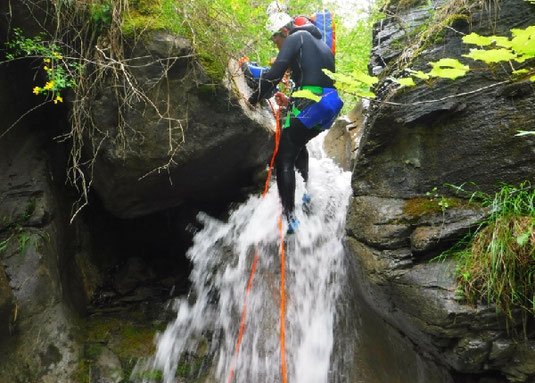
point(206, 327)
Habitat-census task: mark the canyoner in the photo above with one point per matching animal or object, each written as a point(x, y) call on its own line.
point(312, 107)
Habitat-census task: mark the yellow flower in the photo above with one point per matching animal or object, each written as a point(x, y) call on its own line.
point(45, 67)
point(49, 85)
point(46, 60)
point(58, 99)
point(57, 55)
point(36, 90)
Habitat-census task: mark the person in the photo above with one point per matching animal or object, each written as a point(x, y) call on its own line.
point(303, 52)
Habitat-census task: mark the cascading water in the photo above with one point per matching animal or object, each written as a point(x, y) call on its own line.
point(222, 255)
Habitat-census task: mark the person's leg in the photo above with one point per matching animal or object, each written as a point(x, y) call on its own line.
point(284, 166)
point(292, 152)
point(301, 163)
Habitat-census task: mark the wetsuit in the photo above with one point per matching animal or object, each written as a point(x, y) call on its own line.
point(306, 55)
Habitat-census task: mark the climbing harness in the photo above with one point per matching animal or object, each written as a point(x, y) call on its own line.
point(319, 115)
point(253, 269)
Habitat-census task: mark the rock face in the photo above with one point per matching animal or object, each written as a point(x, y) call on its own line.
point(52, 273)
point(192, 140)
point(394, 229)
point(37, 319)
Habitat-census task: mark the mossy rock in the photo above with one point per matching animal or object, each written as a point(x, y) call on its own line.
point(129, 335)
point(417, 207)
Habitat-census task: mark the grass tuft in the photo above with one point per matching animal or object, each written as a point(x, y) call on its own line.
point(498, 263)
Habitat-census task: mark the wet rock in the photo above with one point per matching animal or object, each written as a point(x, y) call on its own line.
point(522, 367)
point(378, 222)
point(107, 368)
point(454, 225)
point(470, 354)
point(7, 305)
point(134, 273)
point(39, 346)
point(190, 152)
point(407, 151)
point(501, 351)
point(338, 144)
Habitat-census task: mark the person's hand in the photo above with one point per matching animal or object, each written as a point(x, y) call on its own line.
point(281, 99)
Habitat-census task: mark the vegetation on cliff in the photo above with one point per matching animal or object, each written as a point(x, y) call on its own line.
point(496, 262)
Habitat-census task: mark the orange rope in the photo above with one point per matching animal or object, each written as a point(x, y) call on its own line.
point(244, 312)
point(277, 136)
point(253, 269)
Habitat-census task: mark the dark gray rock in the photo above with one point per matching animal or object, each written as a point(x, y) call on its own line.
point(7, 305)
point(415, 147)
point(132, 274)
point(193, 140)
point(409, 149)
point(107, 368)
point(378, 222)
point(39, 344)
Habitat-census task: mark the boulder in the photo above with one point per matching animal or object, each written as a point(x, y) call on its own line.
point(184, 137)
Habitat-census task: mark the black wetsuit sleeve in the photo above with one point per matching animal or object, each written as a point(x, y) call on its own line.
point(288, 52)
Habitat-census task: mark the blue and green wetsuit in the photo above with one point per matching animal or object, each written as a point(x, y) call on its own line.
point(306, 55)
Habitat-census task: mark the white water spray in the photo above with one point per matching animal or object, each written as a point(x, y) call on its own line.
point(206, 329)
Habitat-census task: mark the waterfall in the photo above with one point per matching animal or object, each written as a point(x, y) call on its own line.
point(199, 345)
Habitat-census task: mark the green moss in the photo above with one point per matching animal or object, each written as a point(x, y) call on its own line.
point(134, 341)
point(146, 7)
point(420, 206)
point(81, 374)
point(207, 91)
point(92, 350)
point(136, 23)
point(127, 334)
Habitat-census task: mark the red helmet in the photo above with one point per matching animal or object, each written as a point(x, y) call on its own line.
point(301, 20)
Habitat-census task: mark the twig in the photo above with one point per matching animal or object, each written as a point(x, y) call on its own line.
point(440, 99)
point(21, 117)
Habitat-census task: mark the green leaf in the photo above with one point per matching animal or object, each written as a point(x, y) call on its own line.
point(305, 93)
point(368, 94)
point(523, 239)
point(474, 38)
point(406, 81)
point(449, 63)
point(364, 78)
point(502, 41)
point(448, 68)
point(357, 83)
point(532, 78)
point(491, 55)
point(520, 71)
point(421, 75)
point(525, 132)
point(447, 73)
point(523, 41)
